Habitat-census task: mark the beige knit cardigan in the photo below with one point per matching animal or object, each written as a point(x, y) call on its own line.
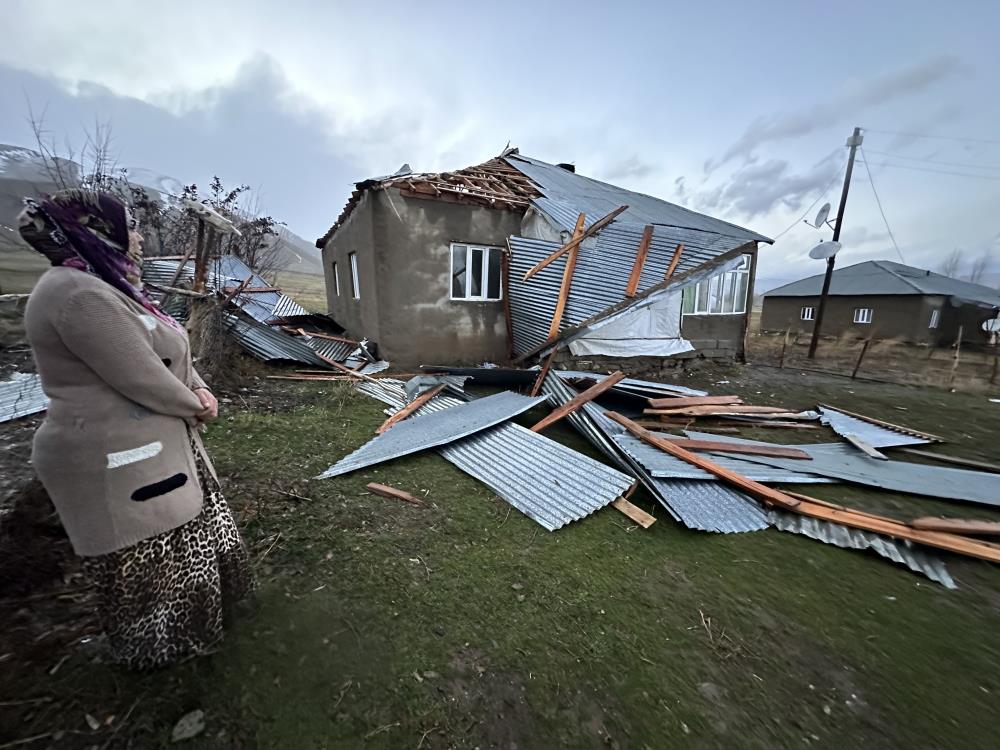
point(114, 451)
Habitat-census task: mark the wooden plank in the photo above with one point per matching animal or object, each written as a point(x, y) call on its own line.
point(677, 401)
point(966, 462)
point(634, 512)
point(344, 369)
point(411, 407)
point(640, 261)
point(597, 226)
point(814, 508)
point(864, 447)
point(777, 451)
point(579, 400)
point(537, 387)
point(756, 489)
point(385, 490)
point(887, 425)
point(567, 280)
point(699, 411)
point(326, 336)
point(233, 294)
point(957, 525)
point(673, 262)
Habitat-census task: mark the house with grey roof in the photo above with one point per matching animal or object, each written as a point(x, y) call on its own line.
point(890, 299)
point(451, 267)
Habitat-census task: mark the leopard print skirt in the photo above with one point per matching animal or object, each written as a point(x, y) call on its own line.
point(163, 599)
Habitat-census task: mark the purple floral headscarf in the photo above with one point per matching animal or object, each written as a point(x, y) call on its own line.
point(88, 231)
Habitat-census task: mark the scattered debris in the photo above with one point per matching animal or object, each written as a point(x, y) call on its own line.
point(189, 726)
point(21, 395)
point(875, 432)
point(385, 490)
point(957, 526)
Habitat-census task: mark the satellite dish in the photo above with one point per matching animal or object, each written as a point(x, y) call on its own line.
point(824, 212)
point(992, 325)
point(825, 250)
point(210, 216)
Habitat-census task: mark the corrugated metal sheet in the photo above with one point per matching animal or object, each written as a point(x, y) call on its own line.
point(635, 386)
point(598, 199)
point(431, 430)
point(898, 550)
point(22, 395)
point(548, 482)
point(846, 463)
point(269, 344)
point(338, 351)
point(287, 307)
point(695, 504)
point(601, 275)
point(373, 367)
point(664, 466)
point(873, 434)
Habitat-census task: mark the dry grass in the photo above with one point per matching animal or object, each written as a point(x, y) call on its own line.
point(306, 289)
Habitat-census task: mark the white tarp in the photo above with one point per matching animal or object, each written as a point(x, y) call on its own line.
point(652, 330)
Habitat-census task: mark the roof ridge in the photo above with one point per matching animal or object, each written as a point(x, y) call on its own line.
point(899, 276)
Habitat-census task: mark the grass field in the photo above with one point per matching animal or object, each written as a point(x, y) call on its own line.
point(467, 625)
point(306, 289)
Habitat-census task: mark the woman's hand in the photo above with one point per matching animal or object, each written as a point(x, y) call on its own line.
point(208, 401)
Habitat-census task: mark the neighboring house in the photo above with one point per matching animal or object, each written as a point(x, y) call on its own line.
point(431, 268)
point(893, 300)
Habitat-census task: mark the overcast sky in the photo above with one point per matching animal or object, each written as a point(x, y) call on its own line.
point(736, 109)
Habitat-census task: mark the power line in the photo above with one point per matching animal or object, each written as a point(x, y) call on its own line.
point(879, 203)
point(938, 137)
point(991, 178)
point(811, 207)
point(936, 161)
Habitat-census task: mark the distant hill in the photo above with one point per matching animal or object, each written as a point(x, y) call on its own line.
point(298, 255)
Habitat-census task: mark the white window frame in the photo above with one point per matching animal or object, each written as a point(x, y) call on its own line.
point(723, 289)
point(485, 269)
point(935, 318)
point(863, 315)
point(807, 313)
point(336, 279)
point(355, 288)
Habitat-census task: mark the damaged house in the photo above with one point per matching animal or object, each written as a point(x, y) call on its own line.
point(458, 267)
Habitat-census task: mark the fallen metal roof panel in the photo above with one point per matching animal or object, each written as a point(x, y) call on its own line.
point(644, 388)
point(548, 482)
point(286, 307)
point(844, 462)
point(697, 506)
point(662, 465)
point(338, 351)
point(22, 395)
point(440, 428)
point(873, 434)
point(898, 550)
point(268, 344)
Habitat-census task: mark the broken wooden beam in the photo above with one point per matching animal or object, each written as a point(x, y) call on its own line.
point(679, 401)
point(385, 490)
point(640, 261)
point(864, 447)
point(597, 226)
point(567, 280)
point(579, 400)
point(634, 512)
point(411, 407)
point(536, 388)
point(673, 262)
point(957, 526)
point(966, 462)
point(777, 451)
point(711, 410)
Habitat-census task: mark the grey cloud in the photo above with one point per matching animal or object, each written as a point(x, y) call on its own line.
point(253, 130)
point(631, 167)
point(757, 188)
point(835, 109)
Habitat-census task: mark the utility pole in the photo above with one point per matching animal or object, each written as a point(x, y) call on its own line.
point(854, 141)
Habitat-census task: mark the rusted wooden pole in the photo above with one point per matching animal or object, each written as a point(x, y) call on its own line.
point(864, 350)
point(958, 353)
point(996, 366)
point(784, 345)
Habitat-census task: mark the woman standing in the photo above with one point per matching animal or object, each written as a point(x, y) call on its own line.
point(119, 451)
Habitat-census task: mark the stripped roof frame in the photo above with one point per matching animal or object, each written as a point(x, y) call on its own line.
point(494, 184)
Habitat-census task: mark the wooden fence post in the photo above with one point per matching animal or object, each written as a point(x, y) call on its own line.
point(996, 366)
point(958, 351)
point(784, 345)
point(864, 350)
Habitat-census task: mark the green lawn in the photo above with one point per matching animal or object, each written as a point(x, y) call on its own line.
point(468, 625)
point(306, 289)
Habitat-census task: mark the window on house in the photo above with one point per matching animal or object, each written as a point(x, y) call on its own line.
point(723, 294)
point(475, 272)
point(355, 289)
point(935, 318)
point(336, 279)
point(862, 315)
point(807, 313)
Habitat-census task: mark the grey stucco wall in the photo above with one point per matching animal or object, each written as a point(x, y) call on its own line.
point(419, 323)
point(894, 316)
point(360, 317)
